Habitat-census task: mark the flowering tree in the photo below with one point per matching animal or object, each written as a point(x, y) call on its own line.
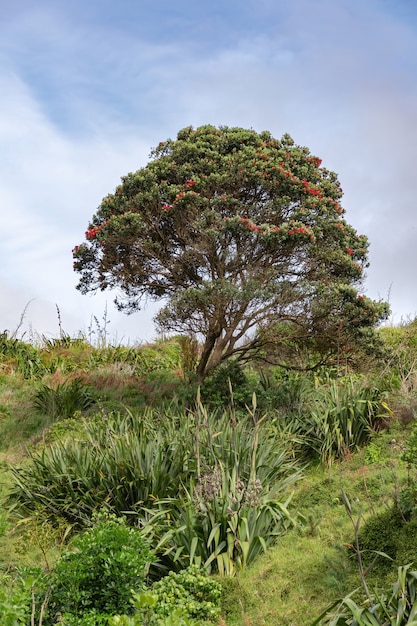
point(237, 232)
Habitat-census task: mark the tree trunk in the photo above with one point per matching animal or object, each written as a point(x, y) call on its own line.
point(208, 348)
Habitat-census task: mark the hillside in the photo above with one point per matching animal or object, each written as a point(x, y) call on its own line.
point(260, 476)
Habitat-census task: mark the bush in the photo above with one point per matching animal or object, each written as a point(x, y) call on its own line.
point(188, 597)
point(20, 357)
point(99, 571)
point(208, 488)
point(64, 400)
point(227, 386)
point(382, 533)
point(341, 415)
point(391, 534)
point(18, 598)
point(128, 462)
point(397, 606)
point(191, 590)
point(15, 603)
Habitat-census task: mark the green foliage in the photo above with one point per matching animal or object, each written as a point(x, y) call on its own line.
point(184, 598)
point(226, 386)
point(238, 231)
point(64, 400)
point(384, 532)
point(207, 486)
point(228, 530)
point(395, 608)
point(104, 563)
point(15, 602)
point(145, 615)
point(194, 594)
point(408, 494)
point(87, 618)
point(18, 600)
point(20, 357)
point(126, 463)
point(286, 391)
point(342, 415)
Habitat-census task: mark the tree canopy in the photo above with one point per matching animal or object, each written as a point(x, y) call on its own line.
point(240, 235)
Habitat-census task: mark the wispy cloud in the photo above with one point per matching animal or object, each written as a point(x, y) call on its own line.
point(89, 88)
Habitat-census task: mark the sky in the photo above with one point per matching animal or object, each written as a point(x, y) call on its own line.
point(88, 88)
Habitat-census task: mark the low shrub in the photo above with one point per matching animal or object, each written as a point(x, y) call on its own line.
point(341, 415)
point(382, 533)
point(99, 570)
point(64, 400)
point(184, 598)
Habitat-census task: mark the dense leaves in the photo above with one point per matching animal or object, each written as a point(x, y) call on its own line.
point(236, 231)
point(99, 571)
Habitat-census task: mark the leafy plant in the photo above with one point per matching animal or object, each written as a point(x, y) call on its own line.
point(64, 400)
point(18, 602)
point(145, 615)
point(99, 570)
point(225, 531)
point(343, 414)
point(20, 357)
point(15, 602)
point(208, 488)
point(395, 608)
point(191, 590)
point(232, 509)
point(187, 597)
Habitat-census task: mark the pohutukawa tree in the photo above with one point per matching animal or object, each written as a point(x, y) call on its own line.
point(237, 233)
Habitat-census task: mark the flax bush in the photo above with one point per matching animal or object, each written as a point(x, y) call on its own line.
point(397, 607)
point(63, 400)
point(339, 415)
point(159, 468)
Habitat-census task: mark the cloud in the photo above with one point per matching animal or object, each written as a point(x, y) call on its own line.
point(50, 185)
point(90, 88)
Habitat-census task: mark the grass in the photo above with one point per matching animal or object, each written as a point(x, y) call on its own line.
point(311, 566)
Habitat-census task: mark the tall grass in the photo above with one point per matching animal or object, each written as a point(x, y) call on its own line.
point(214, 487)
point(63, 400)
point(337, 416)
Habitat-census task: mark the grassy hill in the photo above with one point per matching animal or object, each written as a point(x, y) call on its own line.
point(260, 476)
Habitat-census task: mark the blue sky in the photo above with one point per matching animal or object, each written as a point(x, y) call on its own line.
point(89, 87)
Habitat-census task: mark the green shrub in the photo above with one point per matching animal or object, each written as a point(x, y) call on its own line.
point(15, 603)
point(18, 598)
point(382, 533)
point(286, 391)
point(207, 488)
point(20, 357)
point(99, 571)
point(341, 415)
point(226, 523)
point(226, 386)
point(187, 597)
point(391, 534)
point(64, 400)
point(191, 591)
point(127, 462)
point(88, 618)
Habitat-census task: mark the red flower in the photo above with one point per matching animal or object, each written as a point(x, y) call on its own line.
point(91, 232)
point(349, 251)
